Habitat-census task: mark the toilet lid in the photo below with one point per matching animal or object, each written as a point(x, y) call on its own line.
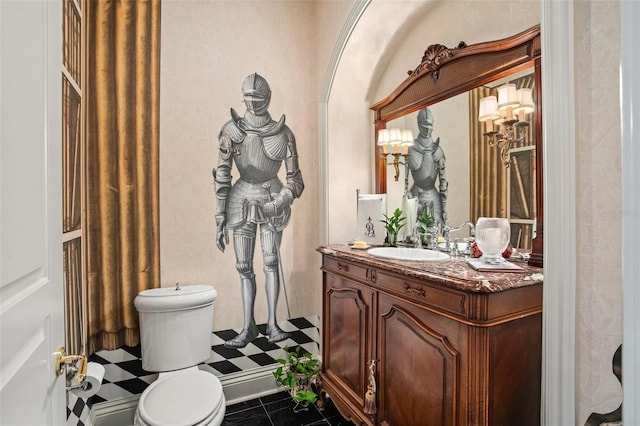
point(184, 398)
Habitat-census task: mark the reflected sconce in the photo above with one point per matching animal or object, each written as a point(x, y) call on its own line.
point(395, 142)
point(504, 118)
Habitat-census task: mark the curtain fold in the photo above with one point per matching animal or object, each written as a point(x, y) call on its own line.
point(122, 137)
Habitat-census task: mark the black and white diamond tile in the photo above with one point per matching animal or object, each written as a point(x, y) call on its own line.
point(258, 353)
point(125, 377)
point(77, 410)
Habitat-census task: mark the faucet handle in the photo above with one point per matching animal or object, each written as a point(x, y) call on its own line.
point(446, 233)
point(455, 252)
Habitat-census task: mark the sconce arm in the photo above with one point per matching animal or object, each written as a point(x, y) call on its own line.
point(396, 162)
point(513, 131)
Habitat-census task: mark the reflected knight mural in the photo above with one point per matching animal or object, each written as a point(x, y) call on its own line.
point(258, 199)
point(426, 161)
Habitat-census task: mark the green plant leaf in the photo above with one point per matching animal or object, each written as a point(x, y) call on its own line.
point(296, 363)
point(427, 220)
point(291, 382)
point(394, 222)
point(306, 396)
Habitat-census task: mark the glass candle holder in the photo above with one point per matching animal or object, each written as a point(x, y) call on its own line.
point(492, 238)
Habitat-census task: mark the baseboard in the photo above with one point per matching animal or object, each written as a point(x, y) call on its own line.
point(116, 412)
point(250, 384)
point(237, 387)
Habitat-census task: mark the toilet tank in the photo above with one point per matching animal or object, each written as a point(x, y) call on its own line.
point(175, 326)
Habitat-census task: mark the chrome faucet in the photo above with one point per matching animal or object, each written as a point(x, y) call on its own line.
point(416, 235)
point(447, 230)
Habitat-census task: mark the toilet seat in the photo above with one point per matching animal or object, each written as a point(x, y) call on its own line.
point(187, 397)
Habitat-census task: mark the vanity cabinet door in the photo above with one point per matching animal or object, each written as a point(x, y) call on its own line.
point(348, 327)
point(419, 367)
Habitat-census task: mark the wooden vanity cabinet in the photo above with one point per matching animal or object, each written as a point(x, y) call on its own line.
point(443, 356)
point(348, 335)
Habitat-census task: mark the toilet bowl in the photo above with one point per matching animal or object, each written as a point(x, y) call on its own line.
point(175, 336)
point(187, 397)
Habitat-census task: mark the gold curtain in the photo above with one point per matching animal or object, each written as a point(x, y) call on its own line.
point(72, 172)
point(122, 228)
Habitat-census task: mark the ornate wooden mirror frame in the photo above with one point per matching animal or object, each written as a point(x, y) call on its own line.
point(445, 72)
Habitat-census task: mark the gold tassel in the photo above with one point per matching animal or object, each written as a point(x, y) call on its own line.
point(370, 401)
point(370, 395)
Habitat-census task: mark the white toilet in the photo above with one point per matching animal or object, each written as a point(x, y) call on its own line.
point(175, 335)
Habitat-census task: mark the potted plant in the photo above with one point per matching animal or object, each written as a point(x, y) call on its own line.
point(393, 224)
point(297, 373)
point(428, 222)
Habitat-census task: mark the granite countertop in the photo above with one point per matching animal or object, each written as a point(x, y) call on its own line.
point(454, 273)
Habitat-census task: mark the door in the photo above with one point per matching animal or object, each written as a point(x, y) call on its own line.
point(419, 366)
point(347, 339)
point(31, 292)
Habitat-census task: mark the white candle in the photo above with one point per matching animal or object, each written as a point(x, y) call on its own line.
point(491, 240)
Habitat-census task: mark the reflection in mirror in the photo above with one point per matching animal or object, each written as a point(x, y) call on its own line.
point(451, 130)
point(489, 157)
point(478, 183)
point(505, 116)
point(505, 178)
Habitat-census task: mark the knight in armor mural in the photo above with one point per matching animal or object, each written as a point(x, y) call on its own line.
point(258, 145)
point(427, 164)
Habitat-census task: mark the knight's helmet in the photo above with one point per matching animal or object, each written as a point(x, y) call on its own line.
point(256, 93)
point(425, 121)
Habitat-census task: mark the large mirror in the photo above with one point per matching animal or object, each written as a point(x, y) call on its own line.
point(481, 180)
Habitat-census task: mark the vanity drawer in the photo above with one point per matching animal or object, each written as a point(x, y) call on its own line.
point(349, 269)
point(442, 298)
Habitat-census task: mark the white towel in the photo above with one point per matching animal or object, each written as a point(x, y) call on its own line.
point(410, 211)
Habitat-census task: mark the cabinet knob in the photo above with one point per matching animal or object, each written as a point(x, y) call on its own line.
point(343, 267)
point(417, 291)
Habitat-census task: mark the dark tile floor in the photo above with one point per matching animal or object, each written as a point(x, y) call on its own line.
point(277, 410)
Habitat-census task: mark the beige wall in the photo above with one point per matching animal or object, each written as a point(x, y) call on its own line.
point(598, 206)
point(208, 47)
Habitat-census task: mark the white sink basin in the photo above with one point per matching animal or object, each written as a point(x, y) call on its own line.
point(405, 253)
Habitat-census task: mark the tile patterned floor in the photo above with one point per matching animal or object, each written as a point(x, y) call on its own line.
point(277, 410)
point(125, 377)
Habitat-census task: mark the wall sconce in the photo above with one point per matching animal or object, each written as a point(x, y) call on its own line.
point(507, 113)
point(395, 142)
